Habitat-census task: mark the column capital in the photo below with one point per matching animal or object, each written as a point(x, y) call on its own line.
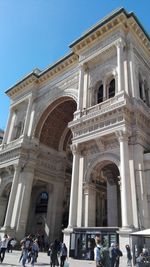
point(84, 67)
point(120, 43)
point(87, 187)
point(75, 149)
point(122, 135)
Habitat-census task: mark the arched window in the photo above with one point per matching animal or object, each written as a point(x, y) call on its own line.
point(42, 203)
point(111, 89)
point(100, 94)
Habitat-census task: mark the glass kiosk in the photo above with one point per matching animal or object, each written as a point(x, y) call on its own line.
point(83, 241)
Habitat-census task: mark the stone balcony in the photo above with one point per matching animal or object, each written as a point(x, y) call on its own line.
point(101, 117)
point(10, 153)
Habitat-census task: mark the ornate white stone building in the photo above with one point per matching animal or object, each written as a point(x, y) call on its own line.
point(76, 150)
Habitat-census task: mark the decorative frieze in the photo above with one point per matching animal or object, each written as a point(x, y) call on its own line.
point(99, 47)
point(10, 155)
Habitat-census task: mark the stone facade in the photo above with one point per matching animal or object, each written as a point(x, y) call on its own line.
point(76, 150)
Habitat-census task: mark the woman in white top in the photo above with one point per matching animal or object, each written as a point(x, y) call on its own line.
point(3, 247)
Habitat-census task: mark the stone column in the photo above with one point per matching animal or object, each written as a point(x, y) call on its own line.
point(3, 205)
point(22, 201)
point(120, 46)
point(104, 90)
point(80, 92)
point(12, 197)
point(74, 188)
point(133, 187)
point(141, 186)
point(11, 126)
point(27, 118)
point(80, 193)
point(8, 126)
point(56, 210)
point(90, 205)
point(85, 86)
point(29, 131)
point(134, 85)
point(49, 210)
point(126, 200)
point(112, 205)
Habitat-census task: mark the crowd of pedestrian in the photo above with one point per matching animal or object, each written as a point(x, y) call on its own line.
point(104, 256)
point(57, 250)
point(107, 256)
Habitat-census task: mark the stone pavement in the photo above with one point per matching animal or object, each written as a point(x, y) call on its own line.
point(12, 260)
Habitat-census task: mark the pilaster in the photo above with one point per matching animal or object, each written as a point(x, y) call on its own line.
point(11, 125)
point(12, 196)
point(80, 192)
point(74, 188)
point(89, 205)
point(22, 201)
point(120, 45)
point(81, 84)
point(126, 200)
point(134, 85)
point(27, 118)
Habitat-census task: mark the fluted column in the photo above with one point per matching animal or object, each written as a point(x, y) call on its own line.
point(22, 201)
point(90, 205)
point(80, 193)
point(120, 46)
point(12, 197)
point(74, 188)
point(8, 126)
point(133, 78)
point(126, 200)
point(27, 118)
point(85, 86)
point(80, 92)
point(29, 131)
point(11, 126)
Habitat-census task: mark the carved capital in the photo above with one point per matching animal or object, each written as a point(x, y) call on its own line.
point(74, 148)
point(120, 43)
point(122, 135)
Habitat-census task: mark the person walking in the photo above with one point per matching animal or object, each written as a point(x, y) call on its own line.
point(119, 254)
point(53, 253)
point(98, 253)
point(140, 260)
point(26, 244)
point(106, 258)
point(112, 254)
point(3, 247)
point(129, 256)
point(63, 254)
point(34, 252)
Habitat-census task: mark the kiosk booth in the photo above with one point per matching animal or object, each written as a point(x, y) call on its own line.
point(141, 243)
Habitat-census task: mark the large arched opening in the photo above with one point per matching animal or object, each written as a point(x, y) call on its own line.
point(105, 178)
point(53, 172)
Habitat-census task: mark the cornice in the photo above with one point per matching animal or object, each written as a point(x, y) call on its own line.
point(121, 17)
point(138, 31)
point(38, 77)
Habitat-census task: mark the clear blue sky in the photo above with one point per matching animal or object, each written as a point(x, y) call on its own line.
point(36, 33)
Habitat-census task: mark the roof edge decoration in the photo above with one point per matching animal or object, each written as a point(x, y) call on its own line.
point(40, 76)
point(72, 57)
point(107, 19)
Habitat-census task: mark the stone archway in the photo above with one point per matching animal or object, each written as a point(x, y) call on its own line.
point(105, 179)
point(56, 163)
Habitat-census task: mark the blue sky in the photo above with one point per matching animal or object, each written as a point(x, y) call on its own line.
point(36, 33)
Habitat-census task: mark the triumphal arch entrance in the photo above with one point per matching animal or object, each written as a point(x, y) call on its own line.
point(75, 157)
